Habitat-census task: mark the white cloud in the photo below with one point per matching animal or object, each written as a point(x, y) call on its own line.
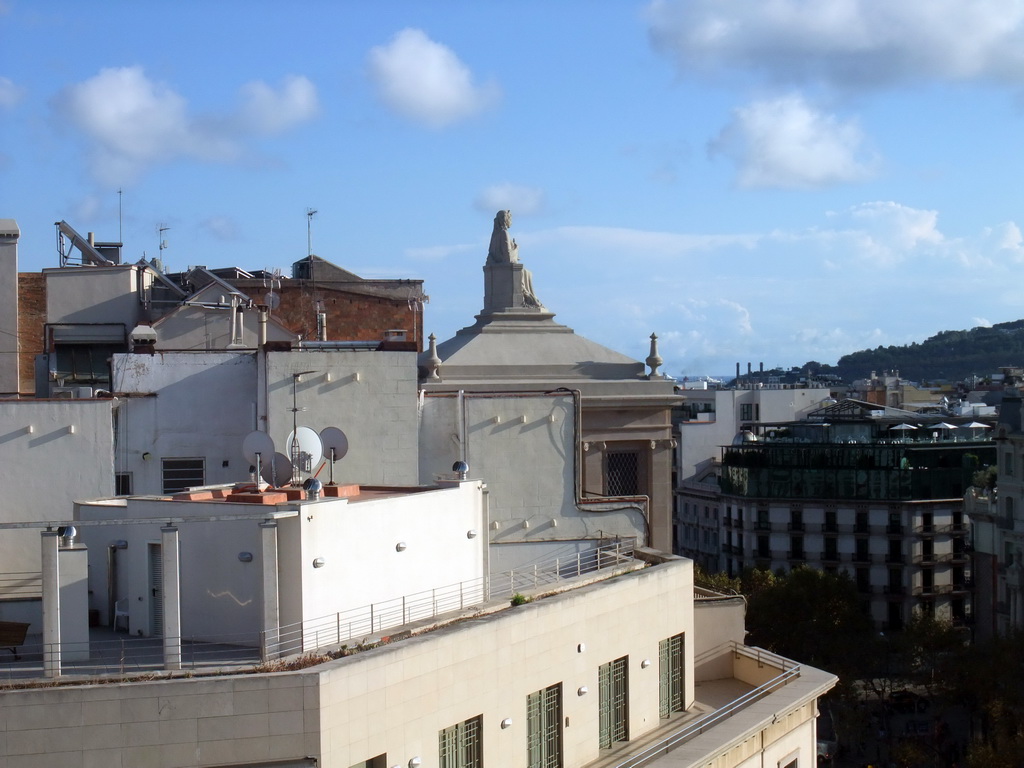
point(510, 197)
point(636, 243)
point(10, 94)
point(133, 123)
point(785, 142)
point(844, 43)
point(221, 227)
point(442, 252)
point(426, 82)
point(272, 112)
point(884, 233)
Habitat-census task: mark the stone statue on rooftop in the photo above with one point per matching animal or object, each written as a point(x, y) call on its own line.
point(503, 248)
point(517, 290)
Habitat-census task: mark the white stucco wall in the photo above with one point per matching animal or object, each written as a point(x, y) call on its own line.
point(524, 447)
point(49, 467)
point(94, 294)
point(220, 595)
point(371, 397)
point(204, 328)
point(196, 405)
point(361, 538)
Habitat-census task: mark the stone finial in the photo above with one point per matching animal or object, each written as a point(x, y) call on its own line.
point(654, 359)
point(433, 362)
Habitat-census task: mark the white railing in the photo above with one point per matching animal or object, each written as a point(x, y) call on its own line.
point(358, 624)
point(789, 671)
point(129, 655)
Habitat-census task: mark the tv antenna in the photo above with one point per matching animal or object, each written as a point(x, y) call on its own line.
point(310, 213)
point(161, 228)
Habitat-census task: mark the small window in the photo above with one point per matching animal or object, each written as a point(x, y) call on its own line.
point(123, 484)
point(622, 470)
point(179, 474)
point(461, 745)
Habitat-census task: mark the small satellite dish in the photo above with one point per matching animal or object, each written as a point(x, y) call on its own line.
point(335, 443)
point(310, 448)
point(273, 300)
point(261, 443)
point(279, 471)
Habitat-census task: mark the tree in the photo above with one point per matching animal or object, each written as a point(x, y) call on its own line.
point(811, 616)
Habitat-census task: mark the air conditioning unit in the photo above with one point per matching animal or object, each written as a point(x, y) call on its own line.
point(83, 392)
point(64, 393)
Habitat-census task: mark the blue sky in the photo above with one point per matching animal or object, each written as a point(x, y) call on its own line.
point(754, 181)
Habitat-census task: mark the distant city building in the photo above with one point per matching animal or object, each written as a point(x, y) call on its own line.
point(856, 488)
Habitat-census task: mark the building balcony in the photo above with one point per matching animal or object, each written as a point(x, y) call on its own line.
point(895, 557)
point(894, 529)
point(796, 526)
point(895, 590)
point(863, 558)
point(763, 525)
point(799, 556)
point(831, 558)
point(925, 559)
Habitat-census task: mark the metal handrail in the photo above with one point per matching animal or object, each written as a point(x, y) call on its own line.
point(698, 727)
point(359, 623)
point(146, 654)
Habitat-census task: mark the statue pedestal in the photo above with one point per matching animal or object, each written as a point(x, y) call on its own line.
point(506, 289)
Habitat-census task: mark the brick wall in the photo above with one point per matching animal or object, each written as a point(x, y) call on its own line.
point(31, 322)
point(350, 316)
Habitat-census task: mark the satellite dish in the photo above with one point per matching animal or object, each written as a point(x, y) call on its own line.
point(273, 300)
point(310, 448)
point(335, 446)
point(258, 442)
point(279, 471)
point(334, 442)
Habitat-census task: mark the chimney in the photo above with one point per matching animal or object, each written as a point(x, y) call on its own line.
point(263, 326)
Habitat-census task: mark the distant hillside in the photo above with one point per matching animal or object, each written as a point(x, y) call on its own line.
point(949, 355)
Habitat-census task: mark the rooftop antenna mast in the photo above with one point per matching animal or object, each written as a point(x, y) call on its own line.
point(120, 217)
point(310, 213)
point(163, 244)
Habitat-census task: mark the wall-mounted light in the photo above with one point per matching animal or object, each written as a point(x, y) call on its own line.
point(319, 563)
point(581, 648)
point(246, 557)
point(494, 525)
point(506, 723)
point(120, 544)
point(496, 420)
point(400, 546)
point(583, 691)
point(29, 429)
point(471, 534)
point(328, 377)
point(552, 418)
point(554, 522)
point(526, 523)
point(147, 456)
point(645, 664)
point(357, 377)
point(71, 429)
point(415, 763)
